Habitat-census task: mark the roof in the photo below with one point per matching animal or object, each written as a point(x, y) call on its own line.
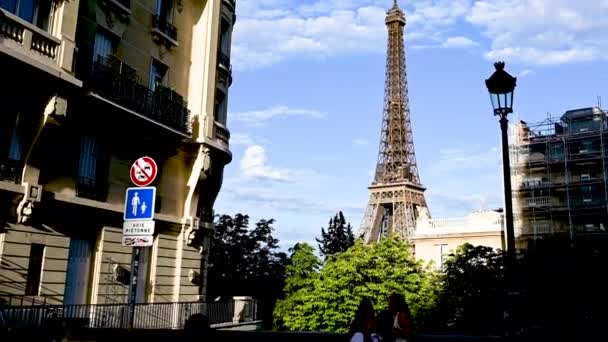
point(574, 114)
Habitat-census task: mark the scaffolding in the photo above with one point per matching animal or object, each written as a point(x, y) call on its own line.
point(559, 175)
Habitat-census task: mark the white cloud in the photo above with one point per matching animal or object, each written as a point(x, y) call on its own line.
point(260, 117)
point(536, 32)
point(525, 72)
point(269, 32)
point(240, 139)
point(360, 142)
point(254, 165)
point(543, 32)
point(458, 42)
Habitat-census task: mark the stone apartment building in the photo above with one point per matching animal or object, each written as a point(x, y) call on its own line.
point(559, 176)
point(88, 87)
point(434, 239)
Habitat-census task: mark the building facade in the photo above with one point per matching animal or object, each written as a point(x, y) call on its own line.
point(94, 86)
point(559, 175)
point(435, 239)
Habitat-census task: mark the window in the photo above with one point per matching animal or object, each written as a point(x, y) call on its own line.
point(225, 37)
point(221, 107)
point(34, 270)
point(16, 145)
point(105, 44)
point(586, 147)
point(158, 71)
point(37, 12)
point(585, 176)
point(164, 10)
point(587, 195)
point(441, 251)
point(87, 165)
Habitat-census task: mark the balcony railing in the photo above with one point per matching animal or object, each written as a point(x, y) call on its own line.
point(231, 2)
point(91, 188)
point(224, 60)
point(538, 202)
point(29, 37)
point(221, 132)
point(165, 27)
point(118, 82)
point(115, 316)
point(10, 170)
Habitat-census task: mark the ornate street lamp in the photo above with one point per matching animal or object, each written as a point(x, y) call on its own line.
point(501, 86)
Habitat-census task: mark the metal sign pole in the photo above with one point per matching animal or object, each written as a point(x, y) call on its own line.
point(133, 284)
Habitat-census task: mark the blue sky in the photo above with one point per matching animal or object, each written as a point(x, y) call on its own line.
point(306, 103)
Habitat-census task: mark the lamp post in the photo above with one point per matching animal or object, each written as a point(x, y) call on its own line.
point(501, 86)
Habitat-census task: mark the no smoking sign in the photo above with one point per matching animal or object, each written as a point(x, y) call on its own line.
point(143, 171)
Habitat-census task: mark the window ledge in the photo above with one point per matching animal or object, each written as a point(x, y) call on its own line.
point(123, 11)
point(30, 26)
point(159, 35)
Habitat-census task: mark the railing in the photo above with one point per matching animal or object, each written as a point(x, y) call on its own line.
point(232, 3)
point(115, 316)
point(224, 60)
point(91, 188)
point(27, 35)
point(10, 170)
point(116, 81)
point(538, 202)
point(221, 132)
point(164, 26)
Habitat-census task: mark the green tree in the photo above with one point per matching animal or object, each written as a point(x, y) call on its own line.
point(300, 274)
point(471, 299)
point(243, 261)
point(373, 271)
point(338, 238)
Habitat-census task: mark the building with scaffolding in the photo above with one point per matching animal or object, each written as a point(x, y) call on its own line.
point(558, 172)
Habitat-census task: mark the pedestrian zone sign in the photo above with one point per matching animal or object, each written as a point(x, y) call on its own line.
point(139, 203)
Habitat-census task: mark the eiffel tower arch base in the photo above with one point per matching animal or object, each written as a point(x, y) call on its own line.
point(392, 209)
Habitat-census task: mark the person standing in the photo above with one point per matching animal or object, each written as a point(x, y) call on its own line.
point(396, 323)
point(363, 326)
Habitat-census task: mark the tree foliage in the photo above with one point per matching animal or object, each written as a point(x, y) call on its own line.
point(338, 238)
point(329, 301)
point(243, 261)
point(300, 274)
point(471, 296)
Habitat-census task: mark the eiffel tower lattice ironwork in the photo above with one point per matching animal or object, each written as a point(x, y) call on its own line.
point(396, 194)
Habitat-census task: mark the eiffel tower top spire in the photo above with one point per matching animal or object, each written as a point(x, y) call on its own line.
point(395, 14)
point(396, 157)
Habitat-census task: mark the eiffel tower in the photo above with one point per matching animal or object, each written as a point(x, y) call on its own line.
point(396, 194)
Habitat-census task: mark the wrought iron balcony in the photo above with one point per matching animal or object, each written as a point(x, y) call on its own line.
point(116, 81)
point(221, 132)
point(10, 170)
point(224, 60)
point(231, 2)
point(225, 66)
point(92, 189)
point(161, 25)
point(25, 36)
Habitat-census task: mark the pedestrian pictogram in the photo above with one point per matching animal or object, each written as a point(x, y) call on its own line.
point(139, 203)
point(143, 171)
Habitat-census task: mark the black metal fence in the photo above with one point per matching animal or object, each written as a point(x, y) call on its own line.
point(116, 316)
point(118, 82)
